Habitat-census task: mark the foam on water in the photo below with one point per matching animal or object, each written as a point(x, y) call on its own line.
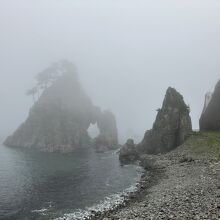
point(50, 185)
point(107, 204)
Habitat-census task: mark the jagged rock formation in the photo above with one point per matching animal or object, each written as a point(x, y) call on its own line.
point(128, 152)
point(210, 118)
point(171, 128)
point(59, 120)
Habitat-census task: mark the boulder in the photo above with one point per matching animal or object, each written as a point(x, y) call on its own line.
point(210, 118)
point(128, 153)
point(171, 127)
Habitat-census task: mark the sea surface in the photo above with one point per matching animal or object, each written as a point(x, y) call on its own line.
point(44, 186)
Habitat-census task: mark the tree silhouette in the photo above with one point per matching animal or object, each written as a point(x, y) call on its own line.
point(33, 93)
point(48, 76)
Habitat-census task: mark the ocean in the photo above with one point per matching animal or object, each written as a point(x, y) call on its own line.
point(42, 186)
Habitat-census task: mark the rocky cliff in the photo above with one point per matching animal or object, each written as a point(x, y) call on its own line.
point(208, 98)
point(171, 127)
point(59, 119)
point(210, 118)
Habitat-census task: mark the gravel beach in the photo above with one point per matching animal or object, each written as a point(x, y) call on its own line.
point(182, 184)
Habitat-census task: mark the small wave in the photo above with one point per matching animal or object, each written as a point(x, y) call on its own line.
point(44, 210)
point(40, 211)
point(116, 151)
point(109, 203)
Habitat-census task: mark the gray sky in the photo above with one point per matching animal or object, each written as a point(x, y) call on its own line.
point(127, 53)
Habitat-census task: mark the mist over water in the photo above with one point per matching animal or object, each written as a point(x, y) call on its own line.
point(127, 53)
point(47, 186)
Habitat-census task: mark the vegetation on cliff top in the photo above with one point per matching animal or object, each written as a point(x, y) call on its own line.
point(203, 143)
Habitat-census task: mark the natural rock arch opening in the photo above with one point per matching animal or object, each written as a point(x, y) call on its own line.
point(93, 131)
point(60, 118)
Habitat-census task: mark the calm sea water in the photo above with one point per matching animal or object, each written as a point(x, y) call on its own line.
point(42, 186)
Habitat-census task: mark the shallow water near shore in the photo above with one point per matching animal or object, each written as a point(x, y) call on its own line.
point(42, 186)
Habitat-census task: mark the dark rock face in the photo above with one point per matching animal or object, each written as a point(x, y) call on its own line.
point(59, 120)
point(171, 127)
point(128, 152)
point(210, 118)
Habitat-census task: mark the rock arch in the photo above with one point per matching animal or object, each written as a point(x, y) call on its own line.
point(59, 120)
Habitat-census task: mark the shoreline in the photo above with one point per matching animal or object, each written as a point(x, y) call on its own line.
point(182, 184)
point(150, 177)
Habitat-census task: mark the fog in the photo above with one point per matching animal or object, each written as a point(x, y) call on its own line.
point(127, 53)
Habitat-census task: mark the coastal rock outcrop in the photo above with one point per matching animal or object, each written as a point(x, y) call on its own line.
point(210, 118)
point(171, 127)
point(59, 119)
point(128, 152)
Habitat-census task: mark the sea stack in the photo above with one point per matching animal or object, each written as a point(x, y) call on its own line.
point(60, 118)
point(171, 127)
point(210, 118)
